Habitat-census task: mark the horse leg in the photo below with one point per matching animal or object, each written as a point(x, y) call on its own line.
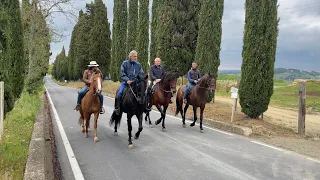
point(201, 118)
point(81, 122)
point(140, 126)
point(184, 115)
point(147, 117)
point(115, 129)
point(161, 112)
point(87, 124)
point(96, 116)
point(194, 115)
point(163, 115)
point(129, 116)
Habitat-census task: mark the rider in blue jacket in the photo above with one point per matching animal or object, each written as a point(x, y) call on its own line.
point(194, 76)
point(130, 69)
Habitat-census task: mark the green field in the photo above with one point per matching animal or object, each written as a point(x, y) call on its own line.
point(18, 126)
point(288, 96)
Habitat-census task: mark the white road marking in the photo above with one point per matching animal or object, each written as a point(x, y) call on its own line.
point(269, 146)
point(72, 159)
point(314, 160)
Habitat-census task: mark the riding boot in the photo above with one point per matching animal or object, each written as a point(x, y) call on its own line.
point(102, 111)
point(77, 108)
point(117, 106)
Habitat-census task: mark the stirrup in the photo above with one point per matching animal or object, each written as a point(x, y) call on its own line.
point(102, 111)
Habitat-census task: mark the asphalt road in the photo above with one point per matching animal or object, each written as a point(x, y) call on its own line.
point(178, 154)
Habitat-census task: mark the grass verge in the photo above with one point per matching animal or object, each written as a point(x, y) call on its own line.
point(18, 126)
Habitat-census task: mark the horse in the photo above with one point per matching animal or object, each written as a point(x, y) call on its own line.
point(133, 103)
point(161, 97)
point(90, 104)
point(197, 98)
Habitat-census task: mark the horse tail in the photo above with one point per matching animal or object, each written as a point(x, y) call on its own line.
point(115, 119)
point(178, 105)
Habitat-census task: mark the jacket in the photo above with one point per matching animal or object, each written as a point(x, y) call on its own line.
point(156, 72)
point(130, 70)
point(193, 74)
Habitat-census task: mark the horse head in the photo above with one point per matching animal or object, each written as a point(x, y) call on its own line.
point(97, 83)
point(170, 80)
point(210, 82)
point(140, 86)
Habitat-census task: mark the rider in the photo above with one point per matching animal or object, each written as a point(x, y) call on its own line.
point(194, 76)
point(130, 69)
point(87, 79)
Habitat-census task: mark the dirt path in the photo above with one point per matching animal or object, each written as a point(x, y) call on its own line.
point(285, 117)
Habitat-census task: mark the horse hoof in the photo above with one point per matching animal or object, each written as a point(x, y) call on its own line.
point(184, 125)
point(201, 130)
point(136, 137)
point(96, 139)
point(83, 131)
point(115, 133)
point(86, 136)
point(192, 124)
point(131, 146)
point(164, 130)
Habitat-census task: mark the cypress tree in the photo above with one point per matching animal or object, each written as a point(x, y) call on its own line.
point(154, 24)
point(184, 37)
point(82, 46)
point(259, 49)
point(11, 55)
point(71, 54)
point(164, 31)
point(100, 42)
point(209, 37)
point(132, 25)
point(143, 34)
point(119, 34)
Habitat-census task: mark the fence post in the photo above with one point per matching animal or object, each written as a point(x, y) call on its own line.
point(302, 108)
point(1, 108)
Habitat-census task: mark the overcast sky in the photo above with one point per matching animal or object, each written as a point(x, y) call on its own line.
point(298, 42)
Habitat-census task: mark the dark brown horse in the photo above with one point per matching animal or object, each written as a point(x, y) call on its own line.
point(90, 104)
point(161, 97)
point(197, 98)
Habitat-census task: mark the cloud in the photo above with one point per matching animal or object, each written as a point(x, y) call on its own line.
point(298, 40)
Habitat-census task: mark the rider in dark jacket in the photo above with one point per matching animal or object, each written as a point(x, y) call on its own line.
point(130, 69)
point(194, 76)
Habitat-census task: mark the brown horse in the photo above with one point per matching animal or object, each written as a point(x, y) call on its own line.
point(90, 104)
point(197, 98)
point(161, 97)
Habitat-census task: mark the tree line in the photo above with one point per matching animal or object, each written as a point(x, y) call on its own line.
point(181, 32)
point(25, 36)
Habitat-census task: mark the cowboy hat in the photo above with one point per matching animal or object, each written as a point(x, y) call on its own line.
point(93, 64)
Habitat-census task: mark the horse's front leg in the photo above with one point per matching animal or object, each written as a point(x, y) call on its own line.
point(147, 119)
point(184, 115)
point(140, 126)
point(87, 119)
point(96, 116)
point(129, 116)
point(194, 115)
point(163, 115)
point(201, 118)
point(161, 112)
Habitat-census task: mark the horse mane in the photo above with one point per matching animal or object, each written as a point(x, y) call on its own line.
point(205, 77)
point(168, 77)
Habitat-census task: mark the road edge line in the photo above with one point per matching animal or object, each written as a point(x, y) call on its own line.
point(72, 159)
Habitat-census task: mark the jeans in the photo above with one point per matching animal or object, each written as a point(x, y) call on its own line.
point(188, 90)
point(83, 92)
point(120, 92)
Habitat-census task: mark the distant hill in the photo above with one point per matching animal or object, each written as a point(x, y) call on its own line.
point(292, 74)
point(284, 74)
